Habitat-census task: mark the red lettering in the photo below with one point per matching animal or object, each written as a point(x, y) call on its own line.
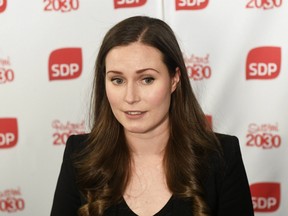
point(264, 4)
point(265, 140)
point(6, 75)
point(11, 204)
point(199, 72)
point(61, 5)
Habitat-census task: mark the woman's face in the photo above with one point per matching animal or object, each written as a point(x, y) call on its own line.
point(139, 87)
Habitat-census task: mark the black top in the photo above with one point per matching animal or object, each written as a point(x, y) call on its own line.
point(226, 194)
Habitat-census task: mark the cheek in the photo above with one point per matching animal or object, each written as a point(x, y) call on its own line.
point(160, 96)
point(112, 96)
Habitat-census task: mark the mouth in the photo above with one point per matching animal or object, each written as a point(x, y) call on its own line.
point(134, 112)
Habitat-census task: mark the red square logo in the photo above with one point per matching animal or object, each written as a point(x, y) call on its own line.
point(3, 5)
point(263, 63)
point(8, 132)
point(265, 196)
point(191, 4)
point(65, 64)
point(128, 3)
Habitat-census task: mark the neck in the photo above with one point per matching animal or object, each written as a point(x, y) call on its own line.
point(148, 144)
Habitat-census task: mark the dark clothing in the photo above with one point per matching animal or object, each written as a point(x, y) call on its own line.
point(227, 190)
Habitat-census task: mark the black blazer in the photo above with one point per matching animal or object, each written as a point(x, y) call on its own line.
point(227, 189)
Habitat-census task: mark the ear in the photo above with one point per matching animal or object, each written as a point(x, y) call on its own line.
point(175, 80)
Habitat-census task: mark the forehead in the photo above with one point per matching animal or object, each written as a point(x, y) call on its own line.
point(134, 54)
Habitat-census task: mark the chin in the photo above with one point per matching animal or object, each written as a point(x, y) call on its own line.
point(135, 130)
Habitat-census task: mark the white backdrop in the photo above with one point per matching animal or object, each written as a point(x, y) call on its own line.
point(236, 54)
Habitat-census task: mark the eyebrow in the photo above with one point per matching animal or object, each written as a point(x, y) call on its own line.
point(138, 71)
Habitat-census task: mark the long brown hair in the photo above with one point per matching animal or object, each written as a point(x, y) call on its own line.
point(104, 165)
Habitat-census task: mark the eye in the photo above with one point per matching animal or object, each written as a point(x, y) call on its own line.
point(117, 81)
point(148, 80)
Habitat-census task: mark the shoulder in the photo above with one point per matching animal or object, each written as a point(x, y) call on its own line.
point(231, 182)
point(230, 154)
point(76, 143)
point(229, 144)
point(227, 185)
point(67, 197)
point(231, 165)
point(76, 140)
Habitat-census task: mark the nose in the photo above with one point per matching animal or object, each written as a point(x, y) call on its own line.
point(131, 93)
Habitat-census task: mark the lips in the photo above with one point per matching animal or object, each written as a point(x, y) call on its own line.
point(134, 114)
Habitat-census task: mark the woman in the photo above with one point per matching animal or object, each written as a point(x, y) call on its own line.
point(151, 150)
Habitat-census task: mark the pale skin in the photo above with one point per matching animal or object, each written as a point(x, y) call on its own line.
point(139, 89)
